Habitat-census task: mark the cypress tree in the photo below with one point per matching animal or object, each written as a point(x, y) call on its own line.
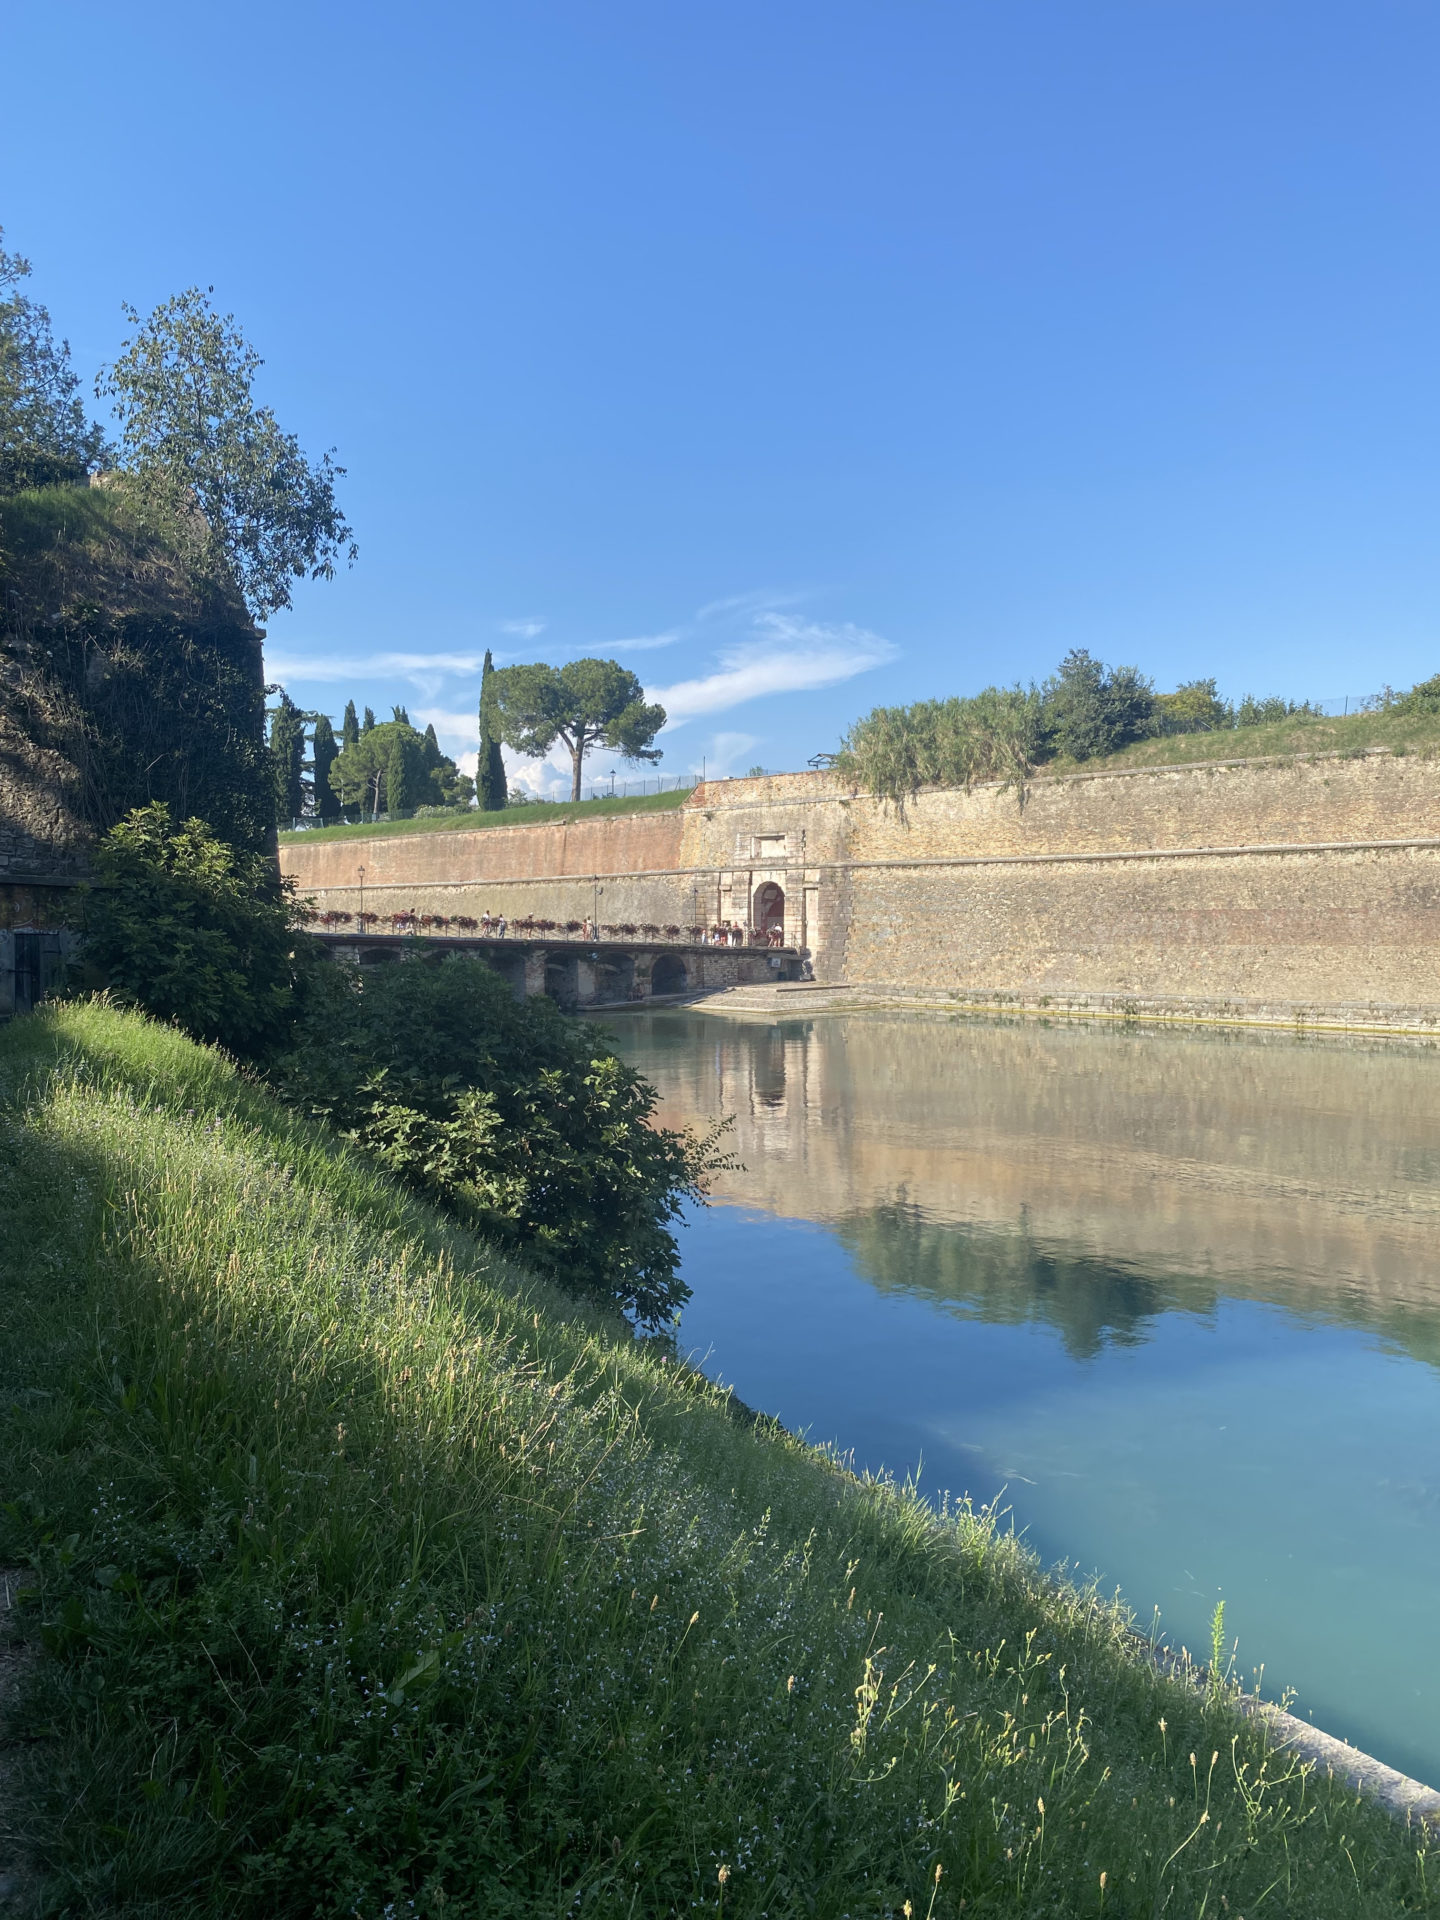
point(287, 758)
point(324, 752)
point(369, 722)
point(349, 726)
point(490, 773)
point(433, 755)
point(404, 773)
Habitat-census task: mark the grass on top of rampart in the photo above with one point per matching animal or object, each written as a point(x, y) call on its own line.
point(372, 1578)
point(1299, 737)
point(469, 820)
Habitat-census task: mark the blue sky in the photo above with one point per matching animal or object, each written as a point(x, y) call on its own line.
point(802, 356)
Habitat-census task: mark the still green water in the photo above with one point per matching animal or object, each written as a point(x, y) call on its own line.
point(1174, 1298)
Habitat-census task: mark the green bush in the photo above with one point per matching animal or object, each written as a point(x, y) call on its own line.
point(520, 1121)
point(1424, 697)
point(184, 927)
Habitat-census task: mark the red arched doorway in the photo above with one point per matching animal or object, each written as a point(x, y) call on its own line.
point(770, 908)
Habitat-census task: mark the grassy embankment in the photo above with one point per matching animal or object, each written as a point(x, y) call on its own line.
point(471, 819)
point(375, 1579)
point(1298, 737)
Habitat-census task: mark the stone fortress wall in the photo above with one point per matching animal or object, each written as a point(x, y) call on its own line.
point(1300, 888)
point(44, 854)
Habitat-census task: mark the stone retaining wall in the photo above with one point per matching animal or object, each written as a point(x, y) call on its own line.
point(1310, 884)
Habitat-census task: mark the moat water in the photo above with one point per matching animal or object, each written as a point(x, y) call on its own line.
point(1172, 1298)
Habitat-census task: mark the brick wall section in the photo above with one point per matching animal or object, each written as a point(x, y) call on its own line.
point(623, 843)
point(1304, 928)
point(1380, 797)
point(1045, 893)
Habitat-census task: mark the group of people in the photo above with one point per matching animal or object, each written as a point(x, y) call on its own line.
point(729, 933)
point(726, 933)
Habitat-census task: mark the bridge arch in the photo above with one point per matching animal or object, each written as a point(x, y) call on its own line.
point(669, 974)
point(562, 983)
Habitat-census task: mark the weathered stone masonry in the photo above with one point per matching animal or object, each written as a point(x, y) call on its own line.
point(44, 853)
point(1311, 888)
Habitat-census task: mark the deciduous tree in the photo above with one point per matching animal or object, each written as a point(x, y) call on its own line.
point(191, 431)
point(393, 769)
point(44, 434)
point(1092, 709)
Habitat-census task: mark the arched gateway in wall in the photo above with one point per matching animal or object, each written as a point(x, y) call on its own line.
point(769, 907)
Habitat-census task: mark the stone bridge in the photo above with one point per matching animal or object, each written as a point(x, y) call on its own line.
point(582, 973)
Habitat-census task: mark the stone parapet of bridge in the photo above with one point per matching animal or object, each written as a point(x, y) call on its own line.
point(577, 973)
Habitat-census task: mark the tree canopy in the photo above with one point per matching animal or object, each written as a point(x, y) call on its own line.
point(393, 769)
point(585, 703)
point(44, 434)
point(191, 431)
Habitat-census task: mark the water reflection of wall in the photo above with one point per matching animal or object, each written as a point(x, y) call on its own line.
point(1020, 1168)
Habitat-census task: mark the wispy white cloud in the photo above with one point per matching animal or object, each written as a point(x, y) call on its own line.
point(522, 629)
point(646, 643)
point(727, 752)
point(419, 668)
point(786, 655)
point(759, 600)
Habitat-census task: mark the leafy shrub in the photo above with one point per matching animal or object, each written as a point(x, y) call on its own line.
point(517, 1119)
point(1424, 697)
point(1252, 712)
point(1194, 707)
point(181, 925)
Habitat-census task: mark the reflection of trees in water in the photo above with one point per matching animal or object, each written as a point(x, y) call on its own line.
point(1202, 1166)
point(1010, 1278)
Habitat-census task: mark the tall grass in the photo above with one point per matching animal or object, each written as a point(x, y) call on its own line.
point(376, 1580)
